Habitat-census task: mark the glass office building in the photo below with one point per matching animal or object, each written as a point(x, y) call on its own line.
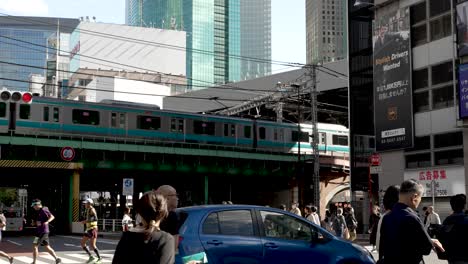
point(215, 44)
point(24, 41)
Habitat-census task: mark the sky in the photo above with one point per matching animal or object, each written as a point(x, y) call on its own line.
point(288, 20)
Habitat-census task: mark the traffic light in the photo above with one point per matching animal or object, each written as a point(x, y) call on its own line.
point(16, 97)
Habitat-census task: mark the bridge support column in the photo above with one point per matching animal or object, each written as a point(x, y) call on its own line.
point(205, 189)
point(74, 211)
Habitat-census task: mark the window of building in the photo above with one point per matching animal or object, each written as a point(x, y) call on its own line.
point(418, 13)
point(203, 128)
point(442, 97)
point(419, 35)
point(340, 140)
point(148, 122)
point(448, 140)
point(454, 156)
point(437, 7)
point(421, 102)
point(440, 27)
point(442, 73)
point(2, 109)
point(85, 117)
point(421, 143)
point(418, 160)
point(25, 111)
point(420, 79)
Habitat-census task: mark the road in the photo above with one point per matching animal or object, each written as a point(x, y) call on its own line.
point(67, 248)
point(431, 259)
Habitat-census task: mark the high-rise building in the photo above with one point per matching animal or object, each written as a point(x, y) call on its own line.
point(27, 41)
point(215, 45)
point(326, 30)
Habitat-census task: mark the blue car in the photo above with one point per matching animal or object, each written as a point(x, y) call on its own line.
point(246, 234)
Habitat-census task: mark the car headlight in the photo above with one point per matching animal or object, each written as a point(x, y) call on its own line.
point(363, 250)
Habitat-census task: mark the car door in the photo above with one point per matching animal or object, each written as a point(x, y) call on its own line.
point(229, 237)
point(288, 239)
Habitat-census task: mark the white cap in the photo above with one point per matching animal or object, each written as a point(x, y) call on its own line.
point(88, 200)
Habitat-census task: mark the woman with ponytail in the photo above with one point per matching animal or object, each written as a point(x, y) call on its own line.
point(146, 243)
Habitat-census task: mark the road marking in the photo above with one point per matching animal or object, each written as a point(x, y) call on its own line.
point(29, 260)
point(86, 257)
point(110, 242)
point(71, 245)
point(64, 260)
point(15, 243)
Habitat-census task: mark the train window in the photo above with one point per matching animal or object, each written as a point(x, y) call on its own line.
point(122, 121)
point(149, 122)
point(85, 117)
point(262, 133)
point(181, 125)
point(25, 111)
point(2, 109)
point(113, 120)
point(173, 125)
point(56, 114)
point(46, 113)
point(177, 125)
point(275, 134)
point(340, 140)
point(203, 128)
point(229, 130)
point(303, 136)
point(247, 131)
point(323, 138)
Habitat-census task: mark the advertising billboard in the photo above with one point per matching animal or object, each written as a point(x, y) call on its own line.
point(393, 110)
point(463, 90)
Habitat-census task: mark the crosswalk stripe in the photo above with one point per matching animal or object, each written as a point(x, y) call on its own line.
point(4, 261)
point(64, 260)
point(29, 260)
point(79, 256)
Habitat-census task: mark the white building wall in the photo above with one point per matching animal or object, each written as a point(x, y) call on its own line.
point(158, 92)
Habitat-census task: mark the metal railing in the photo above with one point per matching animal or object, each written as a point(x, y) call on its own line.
point(110, 225)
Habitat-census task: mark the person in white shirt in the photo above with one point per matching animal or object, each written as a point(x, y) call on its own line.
point(295, 209)
point(127, 222)
point(432, 219)
point(315, 218)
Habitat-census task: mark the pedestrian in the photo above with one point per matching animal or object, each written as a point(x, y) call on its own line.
point(91, 231)
point(282, 207)
point(147, 243)
point(5, 255)
point(127, 222)
point(390, 198)
point(433, 221)
point(373, 224)
point(339, 224)
point(42, 220)
point(315, 216)
point(454, 232)
point(351, 223)
point(295, 209)
point(403, 238)
point(307, 212)
point(170, 224)
point(425, 213)
point(3, 223)
point(328, 221)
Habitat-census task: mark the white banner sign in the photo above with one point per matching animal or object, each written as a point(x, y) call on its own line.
point(127, 186)
point(448, 180)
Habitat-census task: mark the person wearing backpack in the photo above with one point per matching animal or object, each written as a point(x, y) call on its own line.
point(351, 223)
point(454, 232)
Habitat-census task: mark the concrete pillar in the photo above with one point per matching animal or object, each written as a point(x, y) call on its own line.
point(74, 208)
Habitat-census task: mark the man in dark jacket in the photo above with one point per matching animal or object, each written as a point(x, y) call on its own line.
point(454, 232)
point(403, 236)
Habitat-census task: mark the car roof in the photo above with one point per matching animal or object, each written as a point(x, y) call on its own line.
point(226, 206)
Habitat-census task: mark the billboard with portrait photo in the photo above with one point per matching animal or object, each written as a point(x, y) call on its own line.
point(393, 111)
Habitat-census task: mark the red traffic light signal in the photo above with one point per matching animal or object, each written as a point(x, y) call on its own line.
point(16, 97)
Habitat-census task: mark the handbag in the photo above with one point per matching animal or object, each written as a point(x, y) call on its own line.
point(346, 234)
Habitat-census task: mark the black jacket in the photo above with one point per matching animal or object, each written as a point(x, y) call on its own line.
point(454, 237)
point(403, 238)
point(133, 248)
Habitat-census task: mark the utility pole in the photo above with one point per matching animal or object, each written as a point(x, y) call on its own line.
point(312, 72)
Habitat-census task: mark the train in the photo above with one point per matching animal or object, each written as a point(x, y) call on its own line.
point(121, 120)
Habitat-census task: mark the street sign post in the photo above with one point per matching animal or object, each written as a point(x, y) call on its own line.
point(127, 186)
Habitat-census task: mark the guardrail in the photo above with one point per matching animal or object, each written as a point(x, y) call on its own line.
point(110, 225)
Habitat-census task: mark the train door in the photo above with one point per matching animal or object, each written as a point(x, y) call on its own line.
point(119, 121)
point(4, 117)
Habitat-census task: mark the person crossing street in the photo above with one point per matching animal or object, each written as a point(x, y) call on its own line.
point(90, 232)
point(43, 218)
